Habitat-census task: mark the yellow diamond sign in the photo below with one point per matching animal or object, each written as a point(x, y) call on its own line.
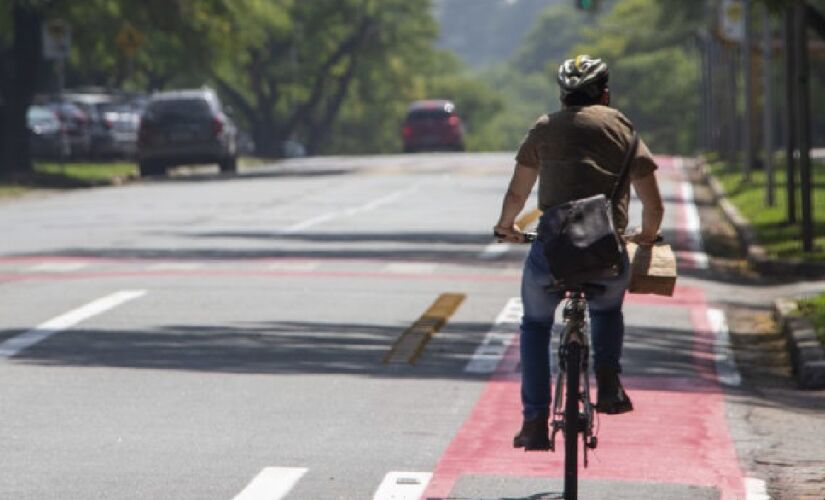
point(129, 39)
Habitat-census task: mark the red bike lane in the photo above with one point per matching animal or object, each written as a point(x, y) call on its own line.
point(677, 435)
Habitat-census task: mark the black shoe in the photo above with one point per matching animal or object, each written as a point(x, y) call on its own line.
point(612, 399)
point(533, 435)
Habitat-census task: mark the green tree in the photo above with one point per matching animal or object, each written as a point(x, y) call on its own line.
point(654, 68)
point(335, 74)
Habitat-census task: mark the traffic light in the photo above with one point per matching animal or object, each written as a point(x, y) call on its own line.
point(588, 5)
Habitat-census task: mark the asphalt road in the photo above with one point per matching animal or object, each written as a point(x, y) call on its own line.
point(220, 337)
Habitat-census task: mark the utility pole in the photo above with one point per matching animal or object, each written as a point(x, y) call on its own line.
point(790, 113)
point(767, 104)
point(803, 117)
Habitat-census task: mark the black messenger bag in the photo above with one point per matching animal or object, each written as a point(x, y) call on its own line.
point(579, 237)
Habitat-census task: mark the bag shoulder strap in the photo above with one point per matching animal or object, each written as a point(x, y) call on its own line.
point(625, 171)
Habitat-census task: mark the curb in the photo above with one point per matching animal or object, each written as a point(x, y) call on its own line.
point(807, 354)
point(757, 256)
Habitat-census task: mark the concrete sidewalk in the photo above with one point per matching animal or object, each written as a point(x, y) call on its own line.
point(782, 433)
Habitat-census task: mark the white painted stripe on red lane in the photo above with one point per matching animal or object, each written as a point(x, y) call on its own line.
point(692, 225)
point(492, 349)
point(403, 486)
point(16, 344)
point(726, 370)
point(755, 489)
point(272, 483)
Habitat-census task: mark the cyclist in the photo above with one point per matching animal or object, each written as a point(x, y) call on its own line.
point(575, 153)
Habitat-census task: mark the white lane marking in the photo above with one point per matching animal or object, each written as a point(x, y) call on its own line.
point(57, 267)
point(490, 352)
point(402, 486)
point(272, 483)
point(755, 489)
point(175, 266)
point(495, 250)
point(725, 365)
point(17, 343)
point(693, 225)
point(411, 267)
point(292, 266)
point(698, 260)
point(320, 219)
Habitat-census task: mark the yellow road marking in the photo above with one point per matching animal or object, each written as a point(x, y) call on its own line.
point(411, 343)
point(528, 218)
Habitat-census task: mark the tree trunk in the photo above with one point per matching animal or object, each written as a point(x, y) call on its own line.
point(19, 87)
point(320, 130)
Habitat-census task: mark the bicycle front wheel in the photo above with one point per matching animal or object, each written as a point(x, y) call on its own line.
point(571, 421)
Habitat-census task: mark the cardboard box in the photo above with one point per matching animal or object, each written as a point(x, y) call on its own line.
point(653, 269)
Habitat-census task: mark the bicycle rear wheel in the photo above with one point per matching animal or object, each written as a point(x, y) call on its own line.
point(571, 421)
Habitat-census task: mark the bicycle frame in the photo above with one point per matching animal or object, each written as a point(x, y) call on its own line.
point(572, 394)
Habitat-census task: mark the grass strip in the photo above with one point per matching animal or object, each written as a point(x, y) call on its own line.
point(779, 238)
point(69, 175)
point(94, 173)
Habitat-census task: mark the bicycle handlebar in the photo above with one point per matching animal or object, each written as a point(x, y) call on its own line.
point(531, 237)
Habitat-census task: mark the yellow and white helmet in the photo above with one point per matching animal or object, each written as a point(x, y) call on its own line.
point(583, 74)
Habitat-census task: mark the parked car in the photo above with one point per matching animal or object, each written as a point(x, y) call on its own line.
point(46, 139)
point(92, 104)
point(121, 120)
point(75, 125)
point(184, 127)
point(432, 125)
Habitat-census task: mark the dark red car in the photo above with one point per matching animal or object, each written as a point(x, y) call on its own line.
point(432, 125)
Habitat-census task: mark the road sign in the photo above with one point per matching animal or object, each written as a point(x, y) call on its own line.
point(129, 39)
point(732, 20)
point(57, 39)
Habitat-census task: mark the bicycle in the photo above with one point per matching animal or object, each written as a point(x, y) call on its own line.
point(573, 412)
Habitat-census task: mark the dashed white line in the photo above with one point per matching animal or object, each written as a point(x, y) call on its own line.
point(14, 345)
point(272, 483)
point(320, 219)
point(411, 267)
point(492, 349)
point(726, 370)
point(495, 250)
point(57, 267)
point(292, 266)
point(403, 486)
point(176, 266)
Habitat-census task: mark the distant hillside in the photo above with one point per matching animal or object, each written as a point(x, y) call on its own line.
point(484, 32)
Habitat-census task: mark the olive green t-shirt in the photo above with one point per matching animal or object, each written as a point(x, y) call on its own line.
point(579, 152)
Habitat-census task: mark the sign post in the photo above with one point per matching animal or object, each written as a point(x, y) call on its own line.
point(129, 40)
point(57, 46)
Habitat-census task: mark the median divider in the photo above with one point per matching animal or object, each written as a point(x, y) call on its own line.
point(412, 341)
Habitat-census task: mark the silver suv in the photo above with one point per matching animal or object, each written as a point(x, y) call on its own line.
point(184, 127)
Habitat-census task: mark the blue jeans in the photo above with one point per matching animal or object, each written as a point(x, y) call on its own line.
point(606, 328)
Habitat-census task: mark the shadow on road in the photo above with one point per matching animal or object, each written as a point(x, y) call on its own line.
point(309, 347)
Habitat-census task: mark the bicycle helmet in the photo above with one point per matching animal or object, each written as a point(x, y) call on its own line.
point(583, 74)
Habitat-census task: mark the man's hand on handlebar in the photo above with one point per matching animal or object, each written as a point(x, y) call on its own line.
point(508, 234)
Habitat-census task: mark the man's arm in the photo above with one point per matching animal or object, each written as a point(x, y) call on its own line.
point(516, 197)
point(653, 210)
